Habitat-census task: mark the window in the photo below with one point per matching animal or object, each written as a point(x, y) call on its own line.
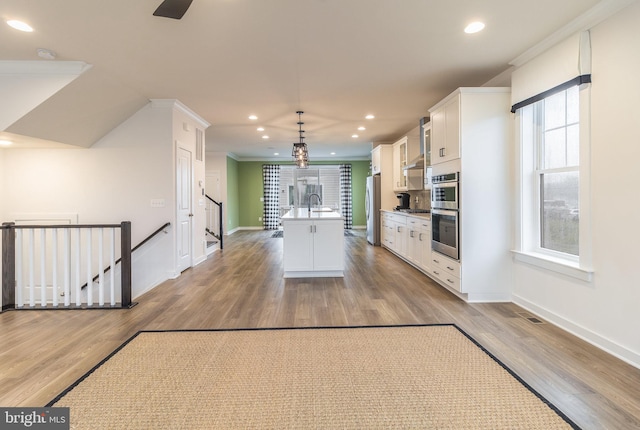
point(554, 140)
point(557, 145)
point(298, 184)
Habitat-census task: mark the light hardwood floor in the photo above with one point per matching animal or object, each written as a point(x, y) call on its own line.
point(43, 352)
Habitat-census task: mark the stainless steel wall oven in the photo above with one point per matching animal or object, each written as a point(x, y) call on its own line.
point(445, 205)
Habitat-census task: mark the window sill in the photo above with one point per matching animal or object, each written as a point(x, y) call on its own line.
point(554, 264)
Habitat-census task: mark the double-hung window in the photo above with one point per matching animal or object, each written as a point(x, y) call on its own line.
point(556, 144)
point(553, 140)
point(551, 96)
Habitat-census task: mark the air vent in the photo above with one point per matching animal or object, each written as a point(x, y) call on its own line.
point(531, 318)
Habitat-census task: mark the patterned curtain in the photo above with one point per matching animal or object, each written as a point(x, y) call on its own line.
point(345, 195)
point(271, 184)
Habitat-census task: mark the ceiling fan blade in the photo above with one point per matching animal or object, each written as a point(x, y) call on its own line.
point(173, 8)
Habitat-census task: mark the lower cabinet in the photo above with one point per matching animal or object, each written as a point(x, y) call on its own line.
point(409, 237)
point(446, 270)
point(313, 248)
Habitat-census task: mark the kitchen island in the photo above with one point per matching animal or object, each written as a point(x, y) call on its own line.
point(313, 243)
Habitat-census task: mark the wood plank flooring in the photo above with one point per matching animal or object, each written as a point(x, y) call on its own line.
point(43, 352)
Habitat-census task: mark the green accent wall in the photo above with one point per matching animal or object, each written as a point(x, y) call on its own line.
point(233, 195)
point(250, 190)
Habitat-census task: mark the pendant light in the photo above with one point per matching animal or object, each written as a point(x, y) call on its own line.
point(300, 153)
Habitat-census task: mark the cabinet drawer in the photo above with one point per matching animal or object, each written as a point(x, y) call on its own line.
point(445, 264)
point(399, 219)
point(446, 278)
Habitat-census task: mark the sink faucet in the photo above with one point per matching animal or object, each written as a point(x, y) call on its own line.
point(309, 202)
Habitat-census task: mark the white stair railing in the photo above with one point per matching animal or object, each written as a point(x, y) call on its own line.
point(40, 271)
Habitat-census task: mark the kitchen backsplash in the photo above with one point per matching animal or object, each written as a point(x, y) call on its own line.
point(424, 199)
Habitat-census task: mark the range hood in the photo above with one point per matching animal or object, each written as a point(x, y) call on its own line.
point(416, 163)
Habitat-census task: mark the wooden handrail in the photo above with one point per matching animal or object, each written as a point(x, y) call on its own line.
point(147, 239)
point(220, 233)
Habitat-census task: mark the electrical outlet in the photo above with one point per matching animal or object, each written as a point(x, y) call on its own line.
point(259, 218)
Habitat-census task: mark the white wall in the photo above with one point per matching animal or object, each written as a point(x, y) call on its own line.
point(184, 129)
point(605, 311)
point(110, 182)
point(217, 161)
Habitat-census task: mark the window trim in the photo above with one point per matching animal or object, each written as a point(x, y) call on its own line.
point(527, 213)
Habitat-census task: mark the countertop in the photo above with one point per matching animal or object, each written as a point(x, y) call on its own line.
point(419, 215)
point(315, 214)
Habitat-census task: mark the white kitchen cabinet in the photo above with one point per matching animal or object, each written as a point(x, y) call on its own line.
point(484, 144)
point(401, 235)
point(426, 133)
point(313, 247)
point(395, 233)
point(424, 240)
point(414, 248)
point(409, 237)
point(378, 156)
point(446, 270)
point(387, 235)
point(445, 128)
point(405, 150)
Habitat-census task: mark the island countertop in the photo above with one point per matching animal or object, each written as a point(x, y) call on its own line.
point(302, 214)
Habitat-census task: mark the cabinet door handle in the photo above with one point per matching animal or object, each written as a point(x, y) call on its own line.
point(450, 268)
point(436, 261)
point(450, 281)
point(435, 272)
point(420, 237)
point(310, 229)
point(398, 229)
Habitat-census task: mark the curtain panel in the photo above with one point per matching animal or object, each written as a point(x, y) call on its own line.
point(271, 185)
point(345, 195)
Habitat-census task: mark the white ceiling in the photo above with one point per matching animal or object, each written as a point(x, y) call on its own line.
point(337, 60)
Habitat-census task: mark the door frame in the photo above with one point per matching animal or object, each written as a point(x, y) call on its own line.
point(180, 267)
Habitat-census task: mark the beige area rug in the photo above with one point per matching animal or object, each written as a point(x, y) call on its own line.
point(427, 377)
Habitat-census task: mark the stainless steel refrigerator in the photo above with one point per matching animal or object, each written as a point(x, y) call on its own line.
point(372, 209)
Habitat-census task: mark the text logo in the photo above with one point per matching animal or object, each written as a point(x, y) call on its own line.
point(34, 418)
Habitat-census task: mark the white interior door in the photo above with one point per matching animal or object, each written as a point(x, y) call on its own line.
point(185, 212)
point(212, 185)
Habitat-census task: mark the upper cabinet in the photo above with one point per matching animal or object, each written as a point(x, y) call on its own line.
point(404, 151)
point(426, 133)
point(445, 129)
point(376, 160)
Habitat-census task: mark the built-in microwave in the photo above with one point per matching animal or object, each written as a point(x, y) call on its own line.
point(444, 191)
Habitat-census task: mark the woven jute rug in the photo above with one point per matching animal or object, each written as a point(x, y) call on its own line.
point(427, 377)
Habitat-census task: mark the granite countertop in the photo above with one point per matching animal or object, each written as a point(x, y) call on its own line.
point(419, 215)
point(315, 214)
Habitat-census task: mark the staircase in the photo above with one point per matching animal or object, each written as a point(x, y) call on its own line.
point(214, 230)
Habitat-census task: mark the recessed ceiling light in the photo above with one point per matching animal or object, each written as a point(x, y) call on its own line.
point(260, 129)
point(19, 25)
point(474, 27)
point(361, 128)
point(370, 116)
point(5, 142)
point(276, 153)
point(333, 153)
point(265, 137)
point(253, 117)
point(354, 135)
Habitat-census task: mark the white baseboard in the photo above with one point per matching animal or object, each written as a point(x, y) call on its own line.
point(583, 333)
